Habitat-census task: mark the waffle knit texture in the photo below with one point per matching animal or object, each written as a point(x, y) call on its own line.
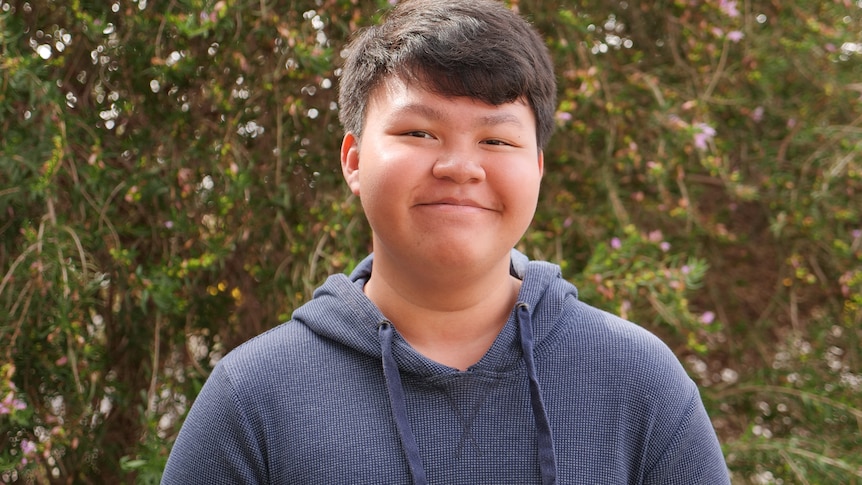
point(599, 401)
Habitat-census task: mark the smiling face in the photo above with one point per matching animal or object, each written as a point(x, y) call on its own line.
point(447, 184)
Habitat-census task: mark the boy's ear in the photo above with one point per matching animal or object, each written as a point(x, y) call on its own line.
point(350, 161)
point(541, 162)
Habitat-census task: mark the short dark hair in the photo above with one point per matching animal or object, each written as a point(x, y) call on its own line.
point(475, 48)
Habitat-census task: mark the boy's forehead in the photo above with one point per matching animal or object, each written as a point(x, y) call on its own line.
point(392, 87)
point(393, 91)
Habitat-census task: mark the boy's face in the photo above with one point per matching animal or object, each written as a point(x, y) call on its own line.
point(444, 181)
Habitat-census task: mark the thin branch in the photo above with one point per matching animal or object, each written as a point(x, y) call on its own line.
point(722, 62)
point(154, 379)
point(20, 259)
point(20, 322)
point(857, 413)
point(158, 53)
point(783, 446)
point(80, 247)
point(800, 475)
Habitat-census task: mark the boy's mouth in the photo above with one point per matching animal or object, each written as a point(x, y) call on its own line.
point(456, 202)
point(455, 205)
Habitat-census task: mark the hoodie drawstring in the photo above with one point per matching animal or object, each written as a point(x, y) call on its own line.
point(547, 456)
point(545, 441)
point(399, 404)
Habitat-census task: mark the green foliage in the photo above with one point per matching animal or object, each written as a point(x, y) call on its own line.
point(169, 187)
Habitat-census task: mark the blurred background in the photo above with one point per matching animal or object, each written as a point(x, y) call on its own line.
point(170, 187)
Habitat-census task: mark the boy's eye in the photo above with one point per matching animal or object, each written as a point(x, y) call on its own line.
point(418, 134)
point(495, 142)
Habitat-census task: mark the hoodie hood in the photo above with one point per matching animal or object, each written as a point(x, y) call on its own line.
point(340, 311)
point(360, 325)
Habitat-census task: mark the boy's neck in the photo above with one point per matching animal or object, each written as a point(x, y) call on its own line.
point(453, 320)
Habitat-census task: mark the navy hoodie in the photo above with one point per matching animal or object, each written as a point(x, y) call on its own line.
point(566, 394)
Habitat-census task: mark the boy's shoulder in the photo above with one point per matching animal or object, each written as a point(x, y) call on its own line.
point(606, 348)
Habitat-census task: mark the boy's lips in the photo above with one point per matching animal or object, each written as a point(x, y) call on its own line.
point(454, 202)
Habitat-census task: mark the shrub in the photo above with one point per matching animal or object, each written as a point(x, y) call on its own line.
point(169, 187)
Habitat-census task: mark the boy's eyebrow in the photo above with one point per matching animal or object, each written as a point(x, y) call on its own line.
point(436, 115)
point(421, 110)
point(500, 118)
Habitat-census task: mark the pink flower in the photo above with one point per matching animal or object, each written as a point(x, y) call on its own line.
point(703, 135)
point(757, 114)
point(28, 447)
point(625, 308)
point(9, 404)
point(616, 243)
point(707, 318)
point(729, 8)
point(735, 36)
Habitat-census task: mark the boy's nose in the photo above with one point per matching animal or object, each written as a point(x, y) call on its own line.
point(460, 167)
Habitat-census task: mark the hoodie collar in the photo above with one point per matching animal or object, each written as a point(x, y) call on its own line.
point(340, 311)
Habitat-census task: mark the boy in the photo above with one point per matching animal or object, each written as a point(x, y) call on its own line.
point(446, 357)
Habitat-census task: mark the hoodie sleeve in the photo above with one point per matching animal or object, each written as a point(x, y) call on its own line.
point(217, 443)
point(693, 455)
